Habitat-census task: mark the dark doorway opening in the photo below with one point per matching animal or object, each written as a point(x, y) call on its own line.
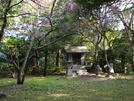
point(77, 58)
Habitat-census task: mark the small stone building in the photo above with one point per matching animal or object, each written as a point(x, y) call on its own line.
point(74, 60)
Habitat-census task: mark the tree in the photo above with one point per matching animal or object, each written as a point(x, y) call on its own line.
point(6, 8)
point(126, 16)
point(122, 52)
point(97, 29)
point(39, 28)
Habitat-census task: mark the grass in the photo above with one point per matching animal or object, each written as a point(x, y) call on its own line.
point(60, 88)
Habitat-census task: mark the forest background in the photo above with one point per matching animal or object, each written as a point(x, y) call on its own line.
point(34, 32)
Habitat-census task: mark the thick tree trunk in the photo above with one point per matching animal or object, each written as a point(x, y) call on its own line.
point(15, 73)
point(46, 63)
point(35, 66)
point(58, 58)
point(21, 77)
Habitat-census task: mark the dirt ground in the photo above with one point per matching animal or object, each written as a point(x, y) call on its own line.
point(89, 76)
point(14, 86)
point(93, 77)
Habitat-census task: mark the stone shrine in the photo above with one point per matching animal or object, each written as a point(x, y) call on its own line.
point(74, 61)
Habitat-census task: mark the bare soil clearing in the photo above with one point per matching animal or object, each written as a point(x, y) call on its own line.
point(93, 77)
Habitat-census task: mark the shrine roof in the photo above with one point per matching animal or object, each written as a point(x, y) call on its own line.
point(76, 49)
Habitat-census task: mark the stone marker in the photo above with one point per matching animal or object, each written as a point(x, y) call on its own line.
point(99, 70)
point(111, 69)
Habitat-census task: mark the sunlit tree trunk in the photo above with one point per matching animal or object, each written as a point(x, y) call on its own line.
point(96, 55)
point(109, 63)
point(105, 54)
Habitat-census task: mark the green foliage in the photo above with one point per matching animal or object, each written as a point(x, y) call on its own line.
point(91, 4)
point(16, 46)
point(4, 70)
point(91, 69)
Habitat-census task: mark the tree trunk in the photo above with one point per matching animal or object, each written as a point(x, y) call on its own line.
point(133, 58)
point(109, 64)
point(35, 66)
point(46, 63)
point(58, 58)
point(123, 65)
point(15, 72)
point(21, 77)
point(21, 70)
point(96, 55)
point(105, 53)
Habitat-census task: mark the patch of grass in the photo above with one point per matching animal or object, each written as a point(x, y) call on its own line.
point(5, 81)
point(60, 88)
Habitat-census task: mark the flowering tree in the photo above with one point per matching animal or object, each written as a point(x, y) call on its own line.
point(46, 24)
point(97, 24)
point(119, 14)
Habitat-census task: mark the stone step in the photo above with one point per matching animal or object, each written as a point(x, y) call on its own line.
point(82, 72)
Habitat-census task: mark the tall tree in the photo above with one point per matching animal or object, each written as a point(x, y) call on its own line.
point(41, 29)
point(125, 12)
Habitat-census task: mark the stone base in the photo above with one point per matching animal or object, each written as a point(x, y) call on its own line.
point(110, 75)
point(77, 71)
point(99, 73)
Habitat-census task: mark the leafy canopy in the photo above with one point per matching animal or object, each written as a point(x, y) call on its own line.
point(91, 4)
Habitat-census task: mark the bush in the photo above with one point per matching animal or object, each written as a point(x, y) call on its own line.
point(91, 69)
point(4, 70)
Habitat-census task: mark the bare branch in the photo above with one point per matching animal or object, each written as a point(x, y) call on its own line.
point(46, 34)
point(15, 4)
point(55, 41)
point(41, 47)
point(52, 8)
point(17, 15)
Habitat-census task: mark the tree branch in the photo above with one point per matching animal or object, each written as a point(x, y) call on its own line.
point(16, 15)
point(5, 19)
point(52, 8)
point(41, 47)
point(15, 4)
point(54, 41)
point(8, 7)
